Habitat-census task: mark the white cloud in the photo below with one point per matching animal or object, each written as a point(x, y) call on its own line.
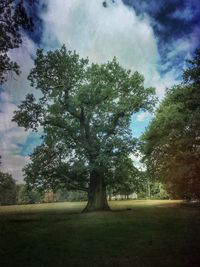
point(143, 116)
point(175, 61)
point(180, 46)
point(18, 86)
point(15, 90)
point(166, 81)
point(186, 13)
point(101, 33)
point(11, 136)
point(6, 114)
point(136, 158)
point(13, 164)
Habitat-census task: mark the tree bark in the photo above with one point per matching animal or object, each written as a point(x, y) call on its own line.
point(97, 199)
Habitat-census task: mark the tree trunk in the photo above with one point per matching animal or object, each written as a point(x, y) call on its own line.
point(97, 199)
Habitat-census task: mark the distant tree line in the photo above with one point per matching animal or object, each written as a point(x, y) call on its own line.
point(12, 193)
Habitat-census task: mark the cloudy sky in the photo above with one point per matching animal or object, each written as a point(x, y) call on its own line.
point(150, 36)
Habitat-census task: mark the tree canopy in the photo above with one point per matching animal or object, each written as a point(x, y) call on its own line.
point(85, 112)
point(7, 189)
point(125, 179)
point(172, 141)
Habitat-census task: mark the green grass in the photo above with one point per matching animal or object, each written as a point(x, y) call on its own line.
point(134, 233)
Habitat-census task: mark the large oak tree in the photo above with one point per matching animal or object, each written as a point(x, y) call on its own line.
point(85, 111)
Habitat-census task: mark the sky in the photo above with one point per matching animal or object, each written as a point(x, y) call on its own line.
point(150, 36)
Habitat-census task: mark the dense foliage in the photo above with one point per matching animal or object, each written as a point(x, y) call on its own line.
point(126, 180)
point(7, 189)
point(85, 112)
point(172, 141)
point(26, 196)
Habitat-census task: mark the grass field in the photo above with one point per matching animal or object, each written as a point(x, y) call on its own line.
point(134, 233)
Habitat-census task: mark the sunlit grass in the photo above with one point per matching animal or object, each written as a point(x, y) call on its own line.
point(78, 206)
point(34, 208)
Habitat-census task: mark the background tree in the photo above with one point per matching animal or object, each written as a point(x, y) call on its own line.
point(172, 141)
point(7, 189)
point(25, 196)
point(13, 17)
point(85, 111)
point(49, 197)
point(125, 179)
point(62, 194)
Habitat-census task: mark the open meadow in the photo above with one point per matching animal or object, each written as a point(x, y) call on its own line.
point(135, 233)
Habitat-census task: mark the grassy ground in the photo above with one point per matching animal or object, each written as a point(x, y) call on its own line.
point(135, 233)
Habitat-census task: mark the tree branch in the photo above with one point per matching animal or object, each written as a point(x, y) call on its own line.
point(111, 131)
point(76, 187)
